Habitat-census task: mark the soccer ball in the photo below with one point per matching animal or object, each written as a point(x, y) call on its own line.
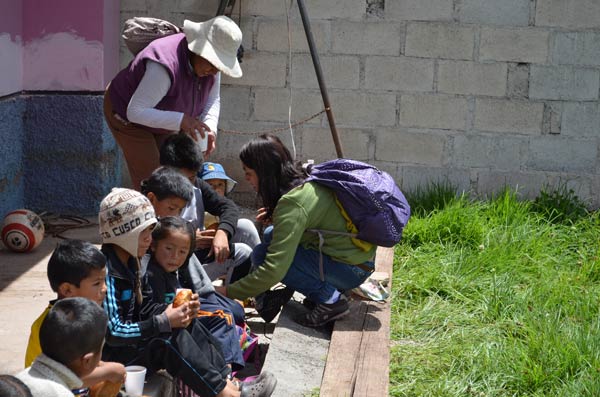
point(22, 230)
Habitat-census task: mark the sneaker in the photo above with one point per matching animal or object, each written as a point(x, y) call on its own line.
point(324, 313)
point(269, 304)
point(262, 386)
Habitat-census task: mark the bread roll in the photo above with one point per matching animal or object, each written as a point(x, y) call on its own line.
point(105, 389)
point(183, 296)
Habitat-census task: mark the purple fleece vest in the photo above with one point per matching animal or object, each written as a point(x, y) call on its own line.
point(188, 93)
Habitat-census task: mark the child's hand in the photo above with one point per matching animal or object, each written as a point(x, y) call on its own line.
point(204, 238)
point(262, 217)
point(179, 317)
point(194, 304)
point(220, 246)
point(115, 372)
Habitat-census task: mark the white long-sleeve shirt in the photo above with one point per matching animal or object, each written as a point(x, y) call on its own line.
point(152, 89)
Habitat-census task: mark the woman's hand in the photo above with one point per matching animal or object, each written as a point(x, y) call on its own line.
point(211, 144)
point(220, 246)
point(190, 125)
point(262, 217)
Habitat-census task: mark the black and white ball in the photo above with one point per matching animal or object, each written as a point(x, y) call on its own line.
point(22, 230)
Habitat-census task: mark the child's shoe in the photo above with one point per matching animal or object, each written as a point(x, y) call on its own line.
point(262, 386)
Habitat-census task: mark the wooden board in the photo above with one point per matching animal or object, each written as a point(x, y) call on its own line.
point(359, 351)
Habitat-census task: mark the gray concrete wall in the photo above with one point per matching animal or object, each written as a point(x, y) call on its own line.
point(481, 93)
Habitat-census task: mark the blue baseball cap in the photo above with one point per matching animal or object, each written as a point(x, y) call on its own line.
point(216, 171)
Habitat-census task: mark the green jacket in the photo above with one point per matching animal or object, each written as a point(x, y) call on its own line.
point(310, 206)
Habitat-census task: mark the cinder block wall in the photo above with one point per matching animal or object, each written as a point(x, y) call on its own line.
point(480, 93)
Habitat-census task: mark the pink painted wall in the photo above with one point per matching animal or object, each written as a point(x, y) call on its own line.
point(58, 45)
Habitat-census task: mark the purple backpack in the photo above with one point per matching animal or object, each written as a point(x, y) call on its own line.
point(370, 197)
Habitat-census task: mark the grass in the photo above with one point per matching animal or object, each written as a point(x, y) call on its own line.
point(497, 298)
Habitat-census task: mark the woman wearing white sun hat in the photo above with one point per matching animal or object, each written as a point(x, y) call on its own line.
point(172, 85)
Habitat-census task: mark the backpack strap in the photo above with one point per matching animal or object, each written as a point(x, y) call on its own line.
point(322, 241)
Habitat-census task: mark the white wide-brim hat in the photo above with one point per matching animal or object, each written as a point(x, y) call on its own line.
point(216, 40)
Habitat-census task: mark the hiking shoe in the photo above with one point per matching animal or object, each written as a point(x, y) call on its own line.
point(269, 303)
point(324, 313)
point(262, 386)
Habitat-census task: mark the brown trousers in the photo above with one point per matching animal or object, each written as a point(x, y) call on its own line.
point(140, 146)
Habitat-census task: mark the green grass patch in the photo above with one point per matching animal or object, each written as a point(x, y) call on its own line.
point(497, 298)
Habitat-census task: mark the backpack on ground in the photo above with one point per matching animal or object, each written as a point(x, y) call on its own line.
point(138, 32)
point(370, 197)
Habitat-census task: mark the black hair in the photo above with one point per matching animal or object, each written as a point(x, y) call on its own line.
point(167, 182)
point(72, 261)
point(11, 386)
point(73, 328)
point(276, 170)
point(170, 223)
point(181, 151)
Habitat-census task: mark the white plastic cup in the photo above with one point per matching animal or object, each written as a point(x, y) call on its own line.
point(134, 382)
point(202, 142)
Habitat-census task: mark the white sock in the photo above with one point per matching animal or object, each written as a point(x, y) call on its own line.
point(334, 298)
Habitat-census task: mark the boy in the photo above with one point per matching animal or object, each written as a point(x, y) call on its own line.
point(213, 246)
point(152, 334)
point(71, 338)
point(76, 269)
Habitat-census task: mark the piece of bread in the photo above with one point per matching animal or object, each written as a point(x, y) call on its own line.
point(213, 226)
point(105, 389)
point(183, 296)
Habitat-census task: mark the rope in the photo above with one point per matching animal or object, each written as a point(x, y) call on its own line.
point(55, 224)
point(274, 131)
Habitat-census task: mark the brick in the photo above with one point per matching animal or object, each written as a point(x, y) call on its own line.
point(261, 69)
point(273, 36)
point(421, 177)
point(317, 144)
point(460, 77)
point(338, 71)
point(419, 10)
point(518, 81)
point(317, 9)
point(433, 40)
point(570, 14)
point(273, 104)
point(563, 83)
point(527, 184)
point(356, 109)
point(375, 38)
point(413, 148)
point(235, 102)
point(515, 45)
point(500, 115)
point(581, 48)
point(433, 111)
point(494, 12)
point(474, 151)
point(399, 73)
point(550, 153)
point(581, 119)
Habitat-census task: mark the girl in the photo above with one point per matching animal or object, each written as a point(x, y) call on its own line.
point(293, 255)
point(172, 245)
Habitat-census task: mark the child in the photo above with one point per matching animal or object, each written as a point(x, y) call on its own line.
point(11, 386)
point(71, 338)
point(148, 333)
point(172, 245)
point(214, 247)
point(76, 269)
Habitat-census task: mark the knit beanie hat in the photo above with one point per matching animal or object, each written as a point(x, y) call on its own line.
point(124, 214)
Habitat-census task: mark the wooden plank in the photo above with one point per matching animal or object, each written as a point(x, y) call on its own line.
point(359, 353)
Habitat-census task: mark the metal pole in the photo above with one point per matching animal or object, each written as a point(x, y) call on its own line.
point(319, 72)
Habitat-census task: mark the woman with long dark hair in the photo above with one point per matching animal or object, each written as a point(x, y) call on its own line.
point(294, 256)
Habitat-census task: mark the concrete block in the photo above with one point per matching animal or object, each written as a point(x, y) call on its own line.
point(568, 14)
point(317, 144)
point(273, 104)
point(473, 151)
point(433, 111)
point(434, 40)
point(499, 115)
point(551, 120)
point(399, 74)
point(412, 148)
point(563, 83)
point(235, 102)
point(207, 7)
point(527, 184)
point(338, 71)
point(518, 81)
point(332, 9)
point(579, 48)
point(363, 109)
point(273, 36)
point(494, 12)
point(419, 10)
point(12, 172)
point(461, 77)
point(267, 8)
point(514, 45)
point(261, 69)
point(415, 177)
point(133, 5)
point(549, 153)
point(370, 38)
point(581, 120)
